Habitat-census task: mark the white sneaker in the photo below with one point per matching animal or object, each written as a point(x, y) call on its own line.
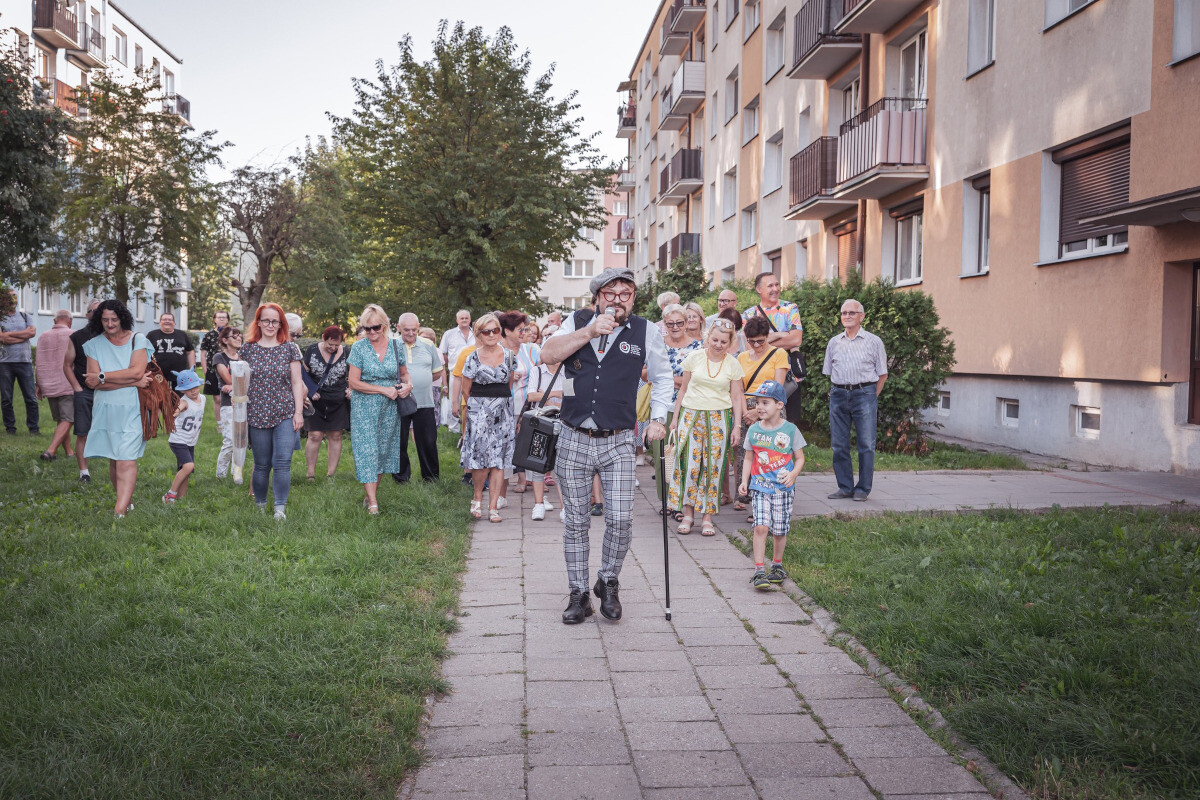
point(502, 502)
point(279, 514)
point(549, 506)
point(539, 512)
point(562, 515)
point(636, 483)
point(641, 460)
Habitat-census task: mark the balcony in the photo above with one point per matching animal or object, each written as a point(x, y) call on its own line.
point(180, 106)
point(626, 181)
point(678, 245)
point(882, 150)
point(626, 121)
point(683, 175)
point(55, 23)
point(673, 43)
point(819, 52)
point(873, 16)
point(625, 232)
point(684, 95)
point(91, 48)
point(813, 180)
point(685, 15)
point(64, 99)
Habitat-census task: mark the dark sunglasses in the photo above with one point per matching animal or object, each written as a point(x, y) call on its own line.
point(678, 324)
point(490, 332)
point(372, 328)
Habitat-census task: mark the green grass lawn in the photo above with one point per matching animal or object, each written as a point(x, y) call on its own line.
point(205, 650)
point(1065, 645)
point(819, 458)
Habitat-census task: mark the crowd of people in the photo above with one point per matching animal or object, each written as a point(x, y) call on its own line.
point(712, 399)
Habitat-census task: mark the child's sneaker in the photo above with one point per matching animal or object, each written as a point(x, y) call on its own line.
point(539, 511)
point(549, 506)
point(759, 580)
point(777, 575)
point(169, 498)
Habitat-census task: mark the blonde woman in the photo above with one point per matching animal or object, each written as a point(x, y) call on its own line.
point(679, 346)
point(710, 399)
point(489, 427)
point(378, 375)
point(694, 316)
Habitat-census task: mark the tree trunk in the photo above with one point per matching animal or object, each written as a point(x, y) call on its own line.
point(121, 265)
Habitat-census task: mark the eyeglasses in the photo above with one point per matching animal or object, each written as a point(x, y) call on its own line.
point(722, 323)
point(268, 322)
point(616, 297)
point(757, 342)
point(490, 332)
point(373, 328)
point(726, 302)
point(678, 324)
point(851, 313)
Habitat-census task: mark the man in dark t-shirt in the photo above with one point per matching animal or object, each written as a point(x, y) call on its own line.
point(173, 350)
point(75, 368)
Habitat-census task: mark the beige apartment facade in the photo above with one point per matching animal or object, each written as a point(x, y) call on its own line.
point(1031, 165)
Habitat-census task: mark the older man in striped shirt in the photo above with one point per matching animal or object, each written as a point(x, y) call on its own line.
point(856, 364)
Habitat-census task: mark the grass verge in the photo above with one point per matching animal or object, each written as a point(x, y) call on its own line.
point(1065, 645)
point(819, 458)
point(204, 650)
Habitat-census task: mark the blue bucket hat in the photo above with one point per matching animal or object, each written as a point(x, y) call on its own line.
point(187, 379)
point(771, 389)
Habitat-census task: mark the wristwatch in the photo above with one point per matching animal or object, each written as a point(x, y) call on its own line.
point(101, 378)
point(659, 420)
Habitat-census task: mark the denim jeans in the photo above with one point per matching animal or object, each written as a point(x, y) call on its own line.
point(860, 407)
point(22, 373)
point(272, 448)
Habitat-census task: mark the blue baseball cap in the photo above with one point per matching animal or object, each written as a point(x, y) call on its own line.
point(771, 389)
point(187, 379)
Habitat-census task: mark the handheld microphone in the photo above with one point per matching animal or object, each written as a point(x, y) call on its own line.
point(612, 312)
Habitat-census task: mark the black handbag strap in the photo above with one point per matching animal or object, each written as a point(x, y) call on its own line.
point(768, 319)
point(546, 393)
point(328, 366)
point(761, 364)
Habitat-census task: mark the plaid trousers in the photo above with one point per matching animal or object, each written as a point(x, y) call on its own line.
point(579, 458)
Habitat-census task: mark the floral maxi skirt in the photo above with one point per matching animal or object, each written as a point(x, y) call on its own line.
point(698, 469)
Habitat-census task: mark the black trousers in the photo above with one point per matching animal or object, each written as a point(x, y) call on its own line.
point(424, 427)
point(794, 408)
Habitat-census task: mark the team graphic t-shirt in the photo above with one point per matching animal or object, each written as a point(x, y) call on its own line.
point(773, 450)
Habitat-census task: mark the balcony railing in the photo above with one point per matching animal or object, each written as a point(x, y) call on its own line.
point(682, 96)
point(91, 47)
point(64, 98)
point(818, 52)
point(673, 42)
point(813, 171)
point(626, 120)
point(682, 175)
point(890, 132)
point(178, 105)
point(678, 245)
point(625, 231)
point(56, 22)
point(685, 15)
point(873, 16)
point(626, 181)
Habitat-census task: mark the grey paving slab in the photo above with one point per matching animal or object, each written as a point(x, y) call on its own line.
point(843, 788)
point(695, 793)
point(453, 712)
point(472, 774)
point(482, 664)
point(506, 687)
point(771, 728)
point(655, 683)
point(665, 709)
point(916, 775)
point(765, 760)
point(758, 676)
point(664, 735)
point(859, 713)
point(566, 669)
point(837, 687)
point(570, 694)
point(886, 742)
point(577, 748)
point(474, 740)
point(584, 783)
point(743, 699)
point(663, 769)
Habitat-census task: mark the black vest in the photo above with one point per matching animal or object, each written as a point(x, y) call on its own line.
point(606, 390)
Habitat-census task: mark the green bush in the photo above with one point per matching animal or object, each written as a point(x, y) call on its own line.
point(920, 352)
point(686, 278)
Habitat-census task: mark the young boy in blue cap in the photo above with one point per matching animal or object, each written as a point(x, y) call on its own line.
point(774, 458)
point(182, 442)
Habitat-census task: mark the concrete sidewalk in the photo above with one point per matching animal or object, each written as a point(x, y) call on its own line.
point(739, 696)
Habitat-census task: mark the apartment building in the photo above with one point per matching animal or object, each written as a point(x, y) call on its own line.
point(565, 283)
point(1029, 164)
point(68, 42)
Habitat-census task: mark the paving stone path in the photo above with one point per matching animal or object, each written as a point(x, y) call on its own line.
point(738, 696)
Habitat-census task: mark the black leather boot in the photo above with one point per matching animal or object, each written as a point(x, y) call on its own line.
point(610, 604)
point(579, 608)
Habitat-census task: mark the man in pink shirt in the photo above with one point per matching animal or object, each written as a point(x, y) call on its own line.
point(52, 382)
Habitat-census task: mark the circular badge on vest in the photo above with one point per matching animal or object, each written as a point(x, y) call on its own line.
point(625, 348)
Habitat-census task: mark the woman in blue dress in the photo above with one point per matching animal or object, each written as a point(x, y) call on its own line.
point(378, 375)
point(116, 369)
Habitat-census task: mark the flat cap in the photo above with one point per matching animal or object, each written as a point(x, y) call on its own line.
point(608, 276)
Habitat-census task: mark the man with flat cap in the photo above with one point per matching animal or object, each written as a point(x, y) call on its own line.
point(603, 352)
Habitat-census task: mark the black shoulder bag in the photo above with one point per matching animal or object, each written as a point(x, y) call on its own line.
point(405, 406)
point(798, 366)
point(537, 437)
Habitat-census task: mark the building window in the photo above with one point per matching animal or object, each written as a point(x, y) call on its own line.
point(1094, 176)
point(45, 63)
point(981, 34)
point(1086, 421)
point(1186, 38)
point(46, 300)
point(139, 306)
point(773, 263)
point(1057, 10)
point(851, 97)
point(773, 163)
point(847, 249)
point(774, 47)
point(943, 407)
point(913, 67)
point(731, 12)
point(712, 204)
point(714, 16)
point(749, 226)
point(78, 302)
point(1010, 412)
point(752, 19)
point(578, 268)
point(576, 303)
point(620, 208)
point(587, 234)
point(906, 243)
point(712, 125)
point(731, 96)
point(977, 225)
point(120, 45)
point(729, 194)
point(750, 121)
point(620, 249)
point(138, 56)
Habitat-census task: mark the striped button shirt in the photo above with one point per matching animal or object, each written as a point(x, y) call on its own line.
point(858, 360)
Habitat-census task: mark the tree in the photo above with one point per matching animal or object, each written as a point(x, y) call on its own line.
point(212, 274)
point(686, 278)
point(137, 202)
point(32, 145)
point(467, 175)
point(260, 208)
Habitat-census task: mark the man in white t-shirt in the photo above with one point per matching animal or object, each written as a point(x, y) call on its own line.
point(453, 341)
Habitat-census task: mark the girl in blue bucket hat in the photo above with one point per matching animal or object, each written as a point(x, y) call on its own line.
point(182, 441)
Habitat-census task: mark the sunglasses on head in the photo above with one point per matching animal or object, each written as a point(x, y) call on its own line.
point(722, 323)
point(373, 328)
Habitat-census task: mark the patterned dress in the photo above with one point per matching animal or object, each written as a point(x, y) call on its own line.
point(701, 453)
point(675, 355)
point(491, 434)
point(374, 423)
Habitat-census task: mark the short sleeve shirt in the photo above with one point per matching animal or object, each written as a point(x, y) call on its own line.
point(708, 389)
point(269, 397)
point(21, 352)
point(785, 317)
point(170, 351)
point(422, 363)
point(461, 361)
point(858, 360)
point(218, 360)
point(774, 361)
point(772, 452)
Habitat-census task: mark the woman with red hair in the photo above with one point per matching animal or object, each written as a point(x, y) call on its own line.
point(275, 403)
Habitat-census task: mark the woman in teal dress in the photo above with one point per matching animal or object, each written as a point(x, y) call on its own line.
point(116, 369)
point(378, 376)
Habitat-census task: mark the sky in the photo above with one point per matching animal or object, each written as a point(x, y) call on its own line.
point(263, 73)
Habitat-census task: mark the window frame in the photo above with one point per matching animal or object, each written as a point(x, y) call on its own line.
point(981, 33)
point(773, 157)
point(732, 8)
point(1185, 17)
point(750, 120)
point(1003, 404)
point(120, 46)
point(752, 19)
point(1078, 412)
point(775, 44)
point(731, 96)
point(910, 221)
point(748, 235)
point(729, 193)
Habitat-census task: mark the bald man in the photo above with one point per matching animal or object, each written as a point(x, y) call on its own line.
point(52, 382)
